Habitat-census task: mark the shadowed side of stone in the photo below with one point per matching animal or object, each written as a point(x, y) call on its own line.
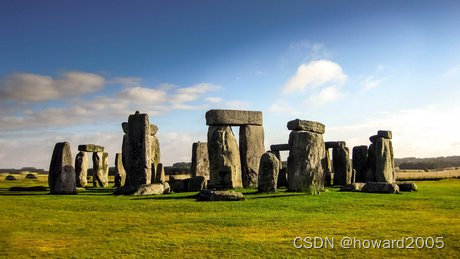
point(360, 162)
point(208, 195)
point(268, 172)
point(353, 187)
point(90, 148)
point(342, 165)
point(407, 186)
point(62, 178)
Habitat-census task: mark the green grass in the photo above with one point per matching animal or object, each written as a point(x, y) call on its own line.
point(95, 223)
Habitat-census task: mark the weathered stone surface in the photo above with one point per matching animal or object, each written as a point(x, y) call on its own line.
point(353, 176)
point(167, 188)
point(81, 169)
point(335, 144)
point(384, 161)
point(105, 164)
point(304, 125)
point(385, 134)
point(360, 162)
point(224, 158)
point(125, 152)
point(196, 183)
point(160, 174)
point(120, 173)
point(279, 147)
point(153, 129)
point(200, 160)
point(98, 169)
point(342, 166)
point(407, 186)
point(154, 151)
point(353, 187)
point(150, 189)
point(139, 155)
point(282, 178)
point(373, 138)
point(124, 126)
point(379, 187)
point(305, 162)
point(233, 117)
point(90, 148)
point(268, 173)
point(178, 185)
point(61, 178)
point(370, 175)
point(251, 149)
point(208, 195)
point(328, 169)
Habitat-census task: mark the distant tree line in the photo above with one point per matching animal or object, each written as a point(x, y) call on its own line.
point(427, 163)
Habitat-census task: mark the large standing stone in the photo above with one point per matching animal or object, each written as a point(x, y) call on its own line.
point(81, 169)
point(61, 178)
point(120, 173)
point(233, 117)
point(328, 169)
point(268, 172)
point(224, 158)
point(200, 160)
point(251, 149)
point(304, 125)
point(342, 165)
point(125, 152)
point(105, 164)
point(139, 155)
point(360, 162)
point(90, 148)
point(155, 150)
point(305, 162)
point(160, 174)
point(98, 169)
point(370, 175)
point(384, 161)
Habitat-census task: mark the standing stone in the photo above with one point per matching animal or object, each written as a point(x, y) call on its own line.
point(196, 183)
point(160, 174)
point(328, 169)
point(61, 178)
point(268, 172)
point(120, 173)
point(342, 165)
point(139, 155)
point(384, 162)
point(305, 162)
point(371, 159)
point(360, 162)
point(200, 160)
point(105, 164)
point(282, 177)
point(125, 152)
point(251, 150)
point(81, 169)
point(224, 158)
point(155, 150)
point(98, 169)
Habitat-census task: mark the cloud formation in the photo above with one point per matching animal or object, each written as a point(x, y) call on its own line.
point(36, 88)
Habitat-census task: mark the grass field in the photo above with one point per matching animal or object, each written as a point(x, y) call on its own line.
point(95, 223)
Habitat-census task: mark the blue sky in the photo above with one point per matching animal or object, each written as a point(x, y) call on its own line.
point(74, 70)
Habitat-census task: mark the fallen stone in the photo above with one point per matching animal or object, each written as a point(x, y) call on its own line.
point(208, 195)
point(353, 187)
point(385, 134)
point(233, 117)
point(360, 162)
point(304, 125)
point(279, 147)
point(120, 173)
point(224, 158)
point(61, 178)
point(381, 187)
point(384, 161)
point(200, 160)
point(407, 186)
point(150, 189)
point(251, 149)
point(81, 169)
point(196, 183)
point(90, 148)
point(268, 173)
point(305, 162)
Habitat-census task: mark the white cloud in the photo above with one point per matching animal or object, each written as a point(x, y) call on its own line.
point(453, 71)
point(214, 99)
point(326, 95)
point(33, 87)
point(315, 74)
point(189, 94)
point(142, 94)
point(370, 82)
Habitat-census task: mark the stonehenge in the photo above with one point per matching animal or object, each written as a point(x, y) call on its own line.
point(200, 160)
point(61, 177)
point(268, 172)
point(232, 166)
point(81, 169)
point(100, 165)
point(307, 156)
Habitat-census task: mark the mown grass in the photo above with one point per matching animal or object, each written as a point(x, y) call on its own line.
point(95, 223)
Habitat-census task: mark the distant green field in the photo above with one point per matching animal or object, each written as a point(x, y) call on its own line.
point(96, 223)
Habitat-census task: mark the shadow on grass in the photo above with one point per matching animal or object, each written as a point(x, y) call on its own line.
point(165, 197)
